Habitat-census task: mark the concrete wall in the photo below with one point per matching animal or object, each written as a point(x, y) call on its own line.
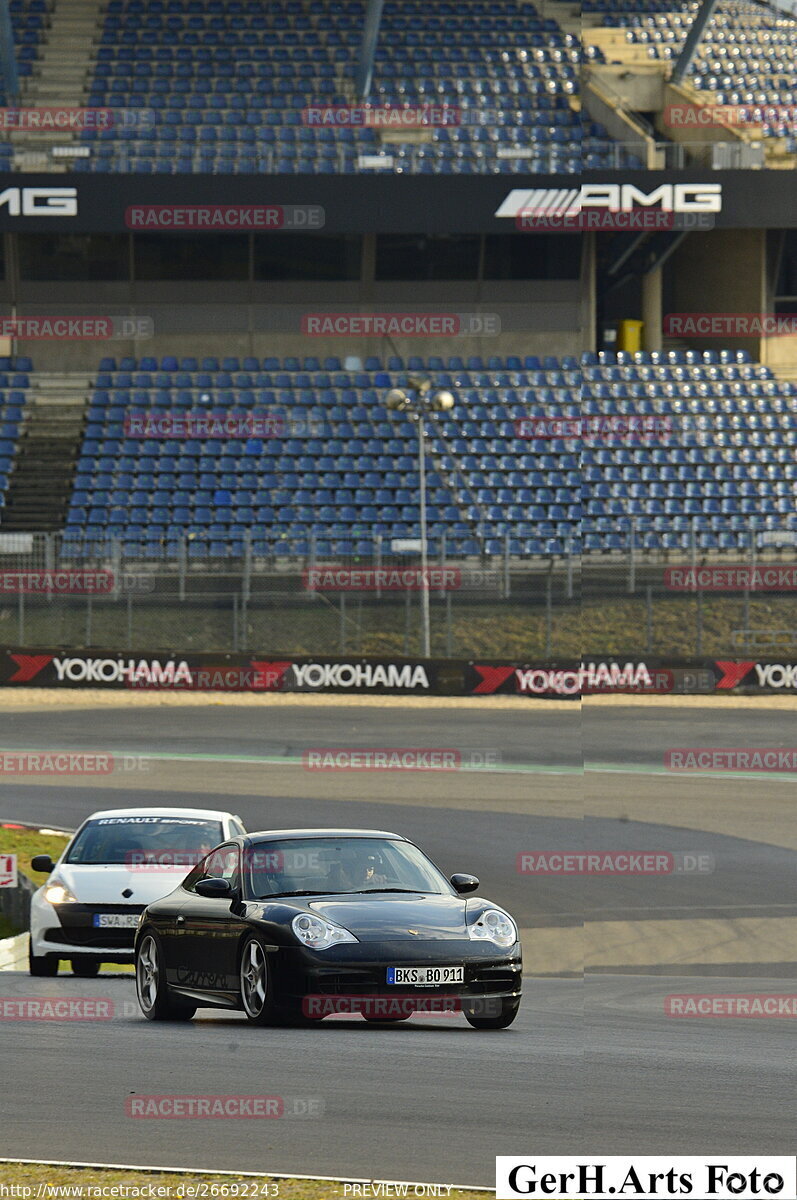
point(695, 136)
point(780, 352)
point(641, 88)
point(540, 317)
point(722, 270)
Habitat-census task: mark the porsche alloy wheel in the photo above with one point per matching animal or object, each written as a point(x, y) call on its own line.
point(153, 995)
point(256, 999)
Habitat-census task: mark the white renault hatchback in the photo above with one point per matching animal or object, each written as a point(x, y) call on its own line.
point(117, 863)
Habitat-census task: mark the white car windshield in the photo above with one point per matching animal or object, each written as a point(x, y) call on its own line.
point(133, 841)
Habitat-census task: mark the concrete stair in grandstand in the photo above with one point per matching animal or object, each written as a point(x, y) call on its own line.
point(44, 466)
point(60, 78)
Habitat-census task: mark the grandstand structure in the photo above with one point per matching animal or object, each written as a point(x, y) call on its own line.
point(342, 477)
point(213, 104)
point(743, 62)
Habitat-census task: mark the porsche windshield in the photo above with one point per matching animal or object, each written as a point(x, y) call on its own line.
point(340, 866)
point(132, 841)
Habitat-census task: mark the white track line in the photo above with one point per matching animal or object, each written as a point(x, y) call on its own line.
point(44, 1162)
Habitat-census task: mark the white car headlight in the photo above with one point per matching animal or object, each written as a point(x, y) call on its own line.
point(494, 926)
point(56, 892)
point(318, 934)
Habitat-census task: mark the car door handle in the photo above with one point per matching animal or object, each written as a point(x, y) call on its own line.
point(181, 920)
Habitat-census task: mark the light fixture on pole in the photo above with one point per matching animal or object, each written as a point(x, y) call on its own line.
point(417, 404)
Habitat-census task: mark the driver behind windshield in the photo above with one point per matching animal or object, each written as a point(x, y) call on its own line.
point(362, 870)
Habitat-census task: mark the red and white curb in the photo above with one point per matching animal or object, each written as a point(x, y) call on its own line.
point(36, 829)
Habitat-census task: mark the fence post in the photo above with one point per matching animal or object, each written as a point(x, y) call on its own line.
point(548, 614)
point(504, 586)
point(342, 631)
point(569, 590)
point(129, 621)
point(699, 621)
point(247, 579)
point(649, 620)
point(407, 622)
point(182, 557)
point(88, 620)
point(449, 631)
point(21, 620)
point(235, 621)
point(632, 557)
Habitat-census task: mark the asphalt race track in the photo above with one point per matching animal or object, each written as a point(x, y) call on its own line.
point(593, 1063)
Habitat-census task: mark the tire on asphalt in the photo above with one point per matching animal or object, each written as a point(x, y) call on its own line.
point(154, 998)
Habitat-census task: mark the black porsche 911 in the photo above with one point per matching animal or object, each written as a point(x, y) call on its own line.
point(292, 925)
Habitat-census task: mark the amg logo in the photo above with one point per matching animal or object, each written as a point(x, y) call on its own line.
point(616, 197)
point(39, 201)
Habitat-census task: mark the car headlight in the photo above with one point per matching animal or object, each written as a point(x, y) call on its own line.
point(318, 934)
point(494, 926)
point(56, 892)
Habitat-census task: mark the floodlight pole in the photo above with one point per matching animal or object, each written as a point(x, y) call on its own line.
point(425, 615)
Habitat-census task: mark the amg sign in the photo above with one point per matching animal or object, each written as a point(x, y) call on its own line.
point(39, 201)
point(614, 197)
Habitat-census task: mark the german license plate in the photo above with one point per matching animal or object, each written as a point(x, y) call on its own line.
point(425, 976)
point(115, 920)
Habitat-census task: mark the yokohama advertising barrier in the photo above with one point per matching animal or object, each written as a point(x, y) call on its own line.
point(630, 676)
point(260, 672)
point(158, 671)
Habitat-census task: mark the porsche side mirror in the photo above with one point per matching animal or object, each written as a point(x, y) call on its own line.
point(464, 883)
point(42, 862)
point(214, 889)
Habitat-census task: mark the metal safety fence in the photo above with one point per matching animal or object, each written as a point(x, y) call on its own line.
point(625, 601)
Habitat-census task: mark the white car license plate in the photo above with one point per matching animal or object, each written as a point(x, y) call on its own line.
point(116, 920)
point(425, 976)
